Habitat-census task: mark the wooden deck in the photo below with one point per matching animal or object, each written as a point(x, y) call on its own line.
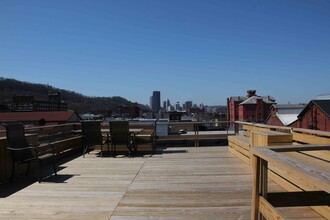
point(176, 183)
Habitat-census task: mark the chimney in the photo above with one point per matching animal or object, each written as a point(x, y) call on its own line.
point(251, 93)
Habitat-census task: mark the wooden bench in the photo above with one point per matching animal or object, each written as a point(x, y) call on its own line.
point(240, 145)
point(306, 179)
point(62, 137)
point(64, 142)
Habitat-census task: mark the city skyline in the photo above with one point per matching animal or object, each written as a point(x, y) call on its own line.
point(204, 51)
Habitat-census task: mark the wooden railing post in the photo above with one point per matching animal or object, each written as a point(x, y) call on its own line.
point(255, 187)
point(263, 183)
point(196, 131)
point(236, 127)
point(259, 185)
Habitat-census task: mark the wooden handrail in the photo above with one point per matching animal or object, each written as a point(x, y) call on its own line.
point(264, 125)
point(316, 177)
point(311, 132)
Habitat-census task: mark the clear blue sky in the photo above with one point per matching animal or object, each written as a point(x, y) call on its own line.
point(204, 51)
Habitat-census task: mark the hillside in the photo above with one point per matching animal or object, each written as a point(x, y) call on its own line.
point(76, 101)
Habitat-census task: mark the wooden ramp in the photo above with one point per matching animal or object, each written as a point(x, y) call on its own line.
point(174, 183)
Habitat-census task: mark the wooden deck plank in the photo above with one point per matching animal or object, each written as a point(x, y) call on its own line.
point(175, 183)
point(189, 185)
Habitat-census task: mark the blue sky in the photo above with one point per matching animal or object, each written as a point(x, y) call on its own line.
point(204, 51)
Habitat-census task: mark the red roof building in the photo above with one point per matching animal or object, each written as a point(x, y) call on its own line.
point(316, 115)
point(40, 118)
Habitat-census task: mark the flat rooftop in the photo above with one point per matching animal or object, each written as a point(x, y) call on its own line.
point(175, 183)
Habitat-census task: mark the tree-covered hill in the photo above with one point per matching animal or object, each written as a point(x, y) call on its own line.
point(76, 101)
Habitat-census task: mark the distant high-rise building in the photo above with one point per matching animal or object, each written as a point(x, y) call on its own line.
point(164, 106)
point(188, 105)
point(168, 104)
point(177, 106)
point(150, 102)
point(170, 108)
point(155, 105)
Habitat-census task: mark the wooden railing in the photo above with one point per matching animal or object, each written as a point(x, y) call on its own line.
point(250, 135)
point(182, 131)
point(248, 145)
point(62, 137)
point(307, 136)
point(196, 131)
point(247, 126)
point(309, 178)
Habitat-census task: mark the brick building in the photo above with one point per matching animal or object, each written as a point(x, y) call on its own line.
point(129, 111)
point(27, 103)
point(284, 115)
point(316, 115)
point(251, 107)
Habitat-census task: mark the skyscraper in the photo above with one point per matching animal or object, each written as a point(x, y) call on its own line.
point(155, 105)
point(188, 105)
